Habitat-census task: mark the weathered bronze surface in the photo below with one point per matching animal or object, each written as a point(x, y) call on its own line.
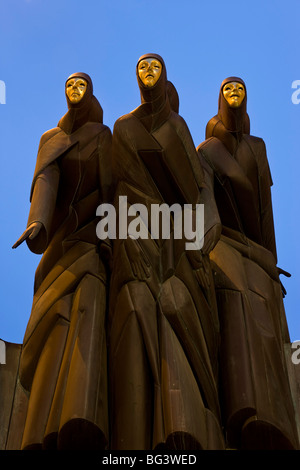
point(257, 407)
point(139, 342)
point(63, 360)
point(8, 381)
point(163, 325)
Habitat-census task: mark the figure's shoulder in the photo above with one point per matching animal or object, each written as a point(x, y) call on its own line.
point(94, 128)
point(49, 135)
point(104, 134)
point(124, 120)
point(210, 145)
point(124, 123)
point(105, 128)
point(211, 151)
point(105, 131)
point(256, 143)
point(177, 120)
point(178, 123)
point(253, 139)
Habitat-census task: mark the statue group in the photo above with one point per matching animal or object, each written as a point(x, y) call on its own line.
point(138, 342)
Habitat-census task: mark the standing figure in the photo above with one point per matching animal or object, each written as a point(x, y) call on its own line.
point(163, 326)
point(63, 365)
point(256, 399)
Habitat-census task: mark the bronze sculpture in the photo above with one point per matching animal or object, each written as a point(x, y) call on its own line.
point(173, 312)
point(63, 362)
point(257, 405)
point(163, 328)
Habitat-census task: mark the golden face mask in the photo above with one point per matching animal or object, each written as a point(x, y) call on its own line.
point(149, 71)
point(234, 93)
point(75, 89)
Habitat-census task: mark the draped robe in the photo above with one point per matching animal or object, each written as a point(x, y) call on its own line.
point(63, 365)
point(256, 398)
point(163, 328)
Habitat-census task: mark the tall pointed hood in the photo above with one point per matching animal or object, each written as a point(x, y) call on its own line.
point(87, 110)
point(155, 107)
point(234, 119)
point(230, 123)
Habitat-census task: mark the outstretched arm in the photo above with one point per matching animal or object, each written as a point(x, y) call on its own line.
point(41, 210)
point(31, 232)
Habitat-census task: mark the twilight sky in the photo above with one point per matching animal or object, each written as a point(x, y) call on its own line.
point(43, 42)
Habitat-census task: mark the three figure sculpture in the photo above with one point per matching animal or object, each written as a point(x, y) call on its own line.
point(138, 342)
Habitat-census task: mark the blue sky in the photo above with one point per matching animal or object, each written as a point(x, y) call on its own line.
point(43, 42)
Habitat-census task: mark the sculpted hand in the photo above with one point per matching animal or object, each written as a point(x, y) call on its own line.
point(201, 266)
point(285, 273)
point(31, 232)
point(211, 238)
point(139, 263)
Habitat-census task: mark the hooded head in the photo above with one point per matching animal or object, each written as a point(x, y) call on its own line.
point(158, 99)
point(156, 94)
point(235, 119)
point(88, 109)
point(88, 92)
point(231, 122)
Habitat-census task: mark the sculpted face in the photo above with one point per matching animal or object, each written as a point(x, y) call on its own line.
point(149, 71)
point(234, 93)
point(75, 89)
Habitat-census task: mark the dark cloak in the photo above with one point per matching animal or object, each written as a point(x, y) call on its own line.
point(229, 124)
point(257, 405)
point(163, 332)
point(64, 347)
